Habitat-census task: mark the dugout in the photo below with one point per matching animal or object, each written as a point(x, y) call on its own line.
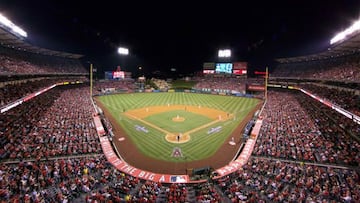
point(203, 171)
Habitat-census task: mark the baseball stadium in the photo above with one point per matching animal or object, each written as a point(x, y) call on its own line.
point(74, 131)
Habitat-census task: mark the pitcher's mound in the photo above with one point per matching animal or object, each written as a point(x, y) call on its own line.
point(178, 119)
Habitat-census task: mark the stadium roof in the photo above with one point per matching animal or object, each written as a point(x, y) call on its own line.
point(8, 39)
point(346, 47)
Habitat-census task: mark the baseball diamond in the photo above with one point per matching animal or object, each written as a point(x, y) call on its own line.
point(177, 120)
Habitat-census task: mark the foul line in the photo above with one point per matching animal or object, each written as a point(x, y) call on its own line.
point(150, 124)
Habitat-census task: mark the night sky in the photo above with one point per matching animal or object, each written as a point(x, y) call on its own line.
point(181, 34)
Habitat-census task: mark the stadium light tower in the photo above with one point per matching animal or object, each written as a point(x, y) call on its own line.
point(123, 51)
point(224, 53)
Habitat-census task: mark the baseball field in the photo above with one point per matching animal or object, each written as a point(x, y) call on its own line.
point(176, 127)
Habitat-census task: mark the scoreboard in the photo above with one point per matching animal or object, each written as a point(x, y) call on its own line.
point(118, 74)
point(240, 68)
point(110, 75)
point(224, 68)
point(208, 68)
point(235, 68)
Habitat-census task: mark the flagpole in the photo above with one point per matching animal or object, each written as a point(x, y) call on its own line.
point(91, 79)
point(266, 82)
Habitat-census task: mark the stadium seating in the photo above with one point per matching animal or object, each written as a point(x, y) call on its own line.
point(17, 89)
point(345, 98)
point(21, 62)
point(295, 128)
point(221, 84)
point(267, 180)
point(50, 152)
point(346, 68)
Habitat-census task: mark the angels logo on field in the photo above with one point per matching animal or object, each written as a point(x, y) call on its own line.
point(176, 152)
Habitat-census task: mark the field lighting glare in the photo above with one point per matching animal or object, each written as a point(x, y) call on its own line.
point(123, 51)
point(11, 26)
point(226, 53)
point(342, 35)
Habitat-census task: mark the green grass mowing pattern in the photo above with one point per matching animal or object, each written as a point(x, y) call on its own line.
point(164, 120)
point(147, 141)
point(153, 143)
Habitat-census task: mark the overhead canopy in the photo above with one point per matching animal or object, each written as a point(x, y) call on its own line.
point(347, 47)
point(8, 39)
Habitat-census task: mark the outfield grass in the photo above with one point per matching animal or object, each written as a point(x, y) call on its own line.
point(153, 143)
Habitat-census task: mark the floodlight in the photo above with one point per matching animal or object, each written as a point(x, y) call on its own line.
point(5, 21)
point(123, 51)
point(224, 53)
point(20, 31)
point(342, 35)
point(11, 26)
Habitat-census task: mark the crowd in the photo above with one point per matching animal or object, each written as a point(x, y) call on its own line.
point(221, 84)
point(14, 90)
point(82, 179)
point(297, 129)
point(56, 123)
point(346, 99)
point(108, 86)
point(266, 180)
point(331, 121)
point(345, 68)
point(22, 62)
point(207, 193)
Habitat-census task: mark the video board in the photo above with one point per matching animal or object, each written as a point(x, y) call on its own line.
point(224, 68)
point(118, 74)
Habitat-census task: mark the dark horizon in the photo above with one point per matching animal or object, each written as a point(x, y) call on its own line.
point(180, 35)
